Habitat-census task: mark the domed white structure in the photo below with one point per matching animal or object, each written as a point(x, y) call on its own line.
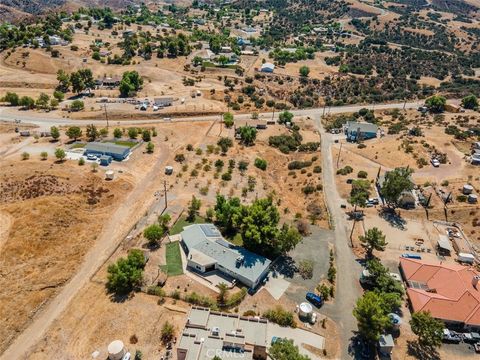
point(116, 350)
point(305, 310)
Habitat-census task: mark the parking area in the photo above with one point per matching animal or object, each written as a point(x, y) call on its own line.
point(299, 337)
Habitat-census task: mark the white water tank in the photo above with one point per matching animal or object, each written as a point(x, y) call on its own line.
point(109, 175)
point(467, 189)
point(305, 310)
point(116, 350)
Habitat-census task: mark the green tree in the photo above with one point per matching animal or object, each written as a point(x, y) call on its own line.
point(436, 103)
point(304, 71)
point(225, 143)
point(374, 239)
point(42, 101)
point(25, 155)
point(58, 95)
point(132, 133)
point(63, 81)
point(285, 117)
point(222, 60)
point(153, 234)
point(131, 82)
point(284, 349)
point(360, 193)
point(470, 102)
point(74, 132)
point(77, 82)
point(92, 132)
point(287, 239)
point(60, 154)
point(223, 294)
point(53, 103)
point(27, 102)
point(248, 134)
point(146, 135)
point(228, 119)
point(261, 164)
point(150, 147)
point(11, 98)
point(117, 133)
point(164, 221)
point(77, 105)
point(428, 329)
point(55, 133)
point(193, 209)
point(370, 316)
point(126, 273)
point(44, 155)
point(226, 211)
point(395, 183)
point(167, 333)
point(257, 224)
point(197, 60)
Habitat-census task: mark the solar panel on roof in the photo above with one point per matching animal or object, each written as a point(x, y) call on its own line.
point(223, 243)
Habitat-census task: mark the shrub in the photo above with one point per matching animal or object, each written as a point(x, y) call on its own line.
point(462, 198)
point(261, 163)
point(81, 161)
point(309, 189)
point(309, 147)
point(297, 165)
point(250, 313)
point(25, 156)
point(227, 176)
point(324, 291)
point(280, 316)
point(305, 268)
point(196, 299)
point(345, 171)
point(180, 158)
point(317, 169)
point(362, 174)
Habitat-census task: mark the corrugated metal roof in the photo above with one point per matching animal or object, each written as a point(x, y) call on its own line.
point(107, 148)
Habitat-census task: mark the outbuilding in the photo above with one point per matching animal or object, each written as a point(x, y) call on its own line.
point(267, 67)
point(444, 245)
point(116, 152)
point(356, 131)
point(162, 102)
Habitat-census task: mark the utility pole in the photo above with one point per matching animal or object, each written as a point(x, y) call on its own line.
point(165, 191)
point(106, 114)
point(339, 152)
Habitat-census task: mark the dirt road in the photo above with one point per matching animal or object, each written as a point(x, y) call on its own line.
point(120, 223)
point(348, 270)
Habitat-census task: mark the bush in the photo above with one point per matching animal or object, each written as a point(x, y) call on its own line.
point(25, 156)
point(180, 158)
point(280, 316)
point(317, 169)
point(324, 291)
point(227, 176)
point(201, 300)
point(345, 171)
point(462, 198)
point(250, 313)
point(309, 189)
point(261, 163)
point(297, 165)
point(362, 174)
point(309, 147)
point(156, 290)
point(126, 273)
point(77, 105)
point(236, 298)
point(305, 268)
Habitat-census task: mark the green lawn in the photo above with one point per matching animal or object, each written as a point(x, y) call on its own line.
point(130, 144)
point(78, 146)
point(182, 222)
point(236, 240)
point(174, 259)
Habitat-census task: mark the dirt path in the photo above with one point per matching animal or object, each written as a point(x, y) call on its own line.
point(113, 233)
point(348, 288)
point(5, 224)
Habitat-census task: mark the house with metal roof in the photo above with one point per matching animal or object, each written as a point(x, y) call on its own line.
point(207, 250)
point(117, 152)
point(359, 130)
point(267, 67)
point(162, 102)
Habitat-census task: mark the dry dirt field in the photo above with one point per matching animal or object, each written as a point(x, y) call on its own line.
point(40, 203)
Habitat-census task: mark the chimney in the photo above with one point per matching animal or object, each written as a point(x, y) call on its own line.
point(475, 281)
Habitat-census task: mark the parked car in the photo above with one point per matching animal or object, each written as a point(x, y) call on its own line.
point(91, 157)
point(314, 299)
point(471, 337)
point(451, 337)
point(155, 108)
point(373, 201)
point(435, 162)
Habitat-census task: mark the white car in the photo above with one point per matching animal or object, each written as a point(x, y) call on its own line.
point(91, 157)
point(435, 162)
point(155, 108)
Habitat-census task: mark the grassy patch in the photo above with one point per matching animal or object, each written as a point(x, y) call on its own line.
point(182, 222)
point(174, 259)
point(236, 239)
point(77, 146)
point(212, 65)
point(130, 144)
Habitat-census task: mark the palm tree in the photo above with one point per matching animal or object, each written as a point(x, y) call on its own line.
point(374, 239)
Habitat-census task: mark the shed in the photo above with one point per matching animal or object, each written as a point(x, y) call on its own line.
point(444, 245)
point(162, 102)
point(267, 67)
point(386, 344)
point(117, 152)
point(105, 160)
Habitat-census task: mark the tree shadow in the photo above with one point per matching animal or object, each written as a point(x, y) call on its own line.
point(394, 219)
point(358, 348)
point(422, 352)
point(285, 266)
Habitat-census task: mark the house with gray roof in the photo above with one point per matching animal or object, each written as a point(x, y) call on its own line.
point(359, 130)
point(210, 333)
point(207, 250)
point(117, 152)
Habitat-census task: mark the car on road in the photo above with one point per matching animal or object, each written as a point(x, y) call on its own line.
point(451, 337)
point(314, 299)
point(91, 157)
point(435, 162)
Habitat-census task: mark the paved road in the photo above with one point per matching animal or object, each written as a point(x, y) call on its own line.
point(348, 270)
point(45, 121)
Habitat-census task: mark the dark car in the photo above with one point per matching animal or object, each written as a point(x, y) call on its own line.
point(314, 299)
point(451, 337)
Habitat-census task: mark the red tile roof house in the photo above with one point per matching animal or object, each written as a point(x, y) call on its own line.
point(450, 292)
